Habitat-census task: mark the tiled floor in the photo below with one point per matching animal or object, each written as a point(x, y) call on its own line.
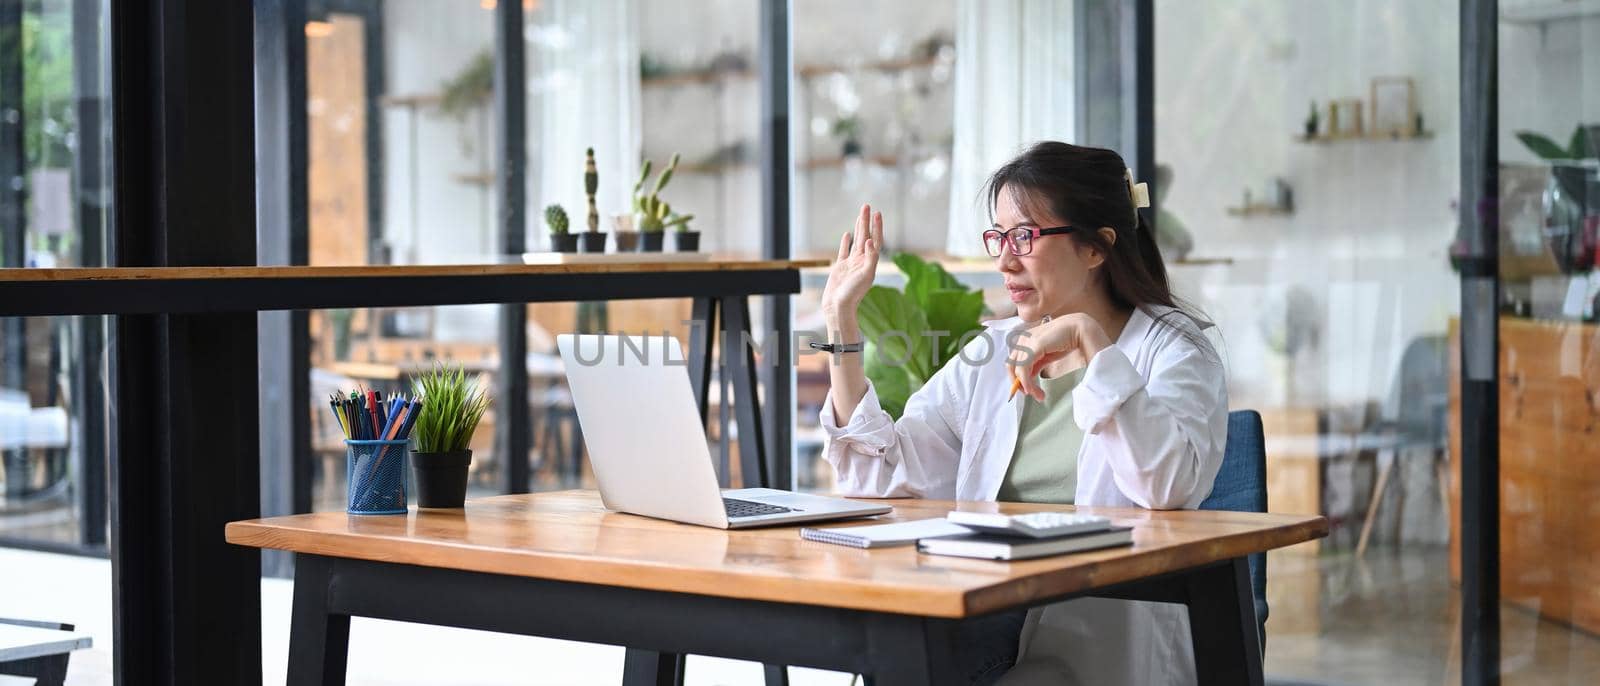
point(1392, 619)
point(1389, 619)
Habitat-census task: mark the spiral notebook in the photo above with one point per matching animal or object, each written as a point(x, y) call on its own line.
point(885, 535)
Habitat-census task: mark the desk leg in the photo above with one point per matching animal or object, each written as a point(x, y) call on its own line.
point(739, 361)
point(909, 650)
point(701, 334)
point(650, 668)
point(319, 641)
point(1222, 625)
point(776, 675)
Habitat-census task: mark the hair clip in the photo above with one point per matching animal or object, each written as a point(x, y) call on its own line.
point(1139, 191)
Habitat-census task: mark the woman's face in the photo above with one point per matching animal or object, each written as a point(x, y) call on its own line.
point(1056, 277)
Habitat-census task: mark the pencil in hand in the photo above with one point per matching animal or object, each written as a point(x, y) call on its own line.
point(1016, 384)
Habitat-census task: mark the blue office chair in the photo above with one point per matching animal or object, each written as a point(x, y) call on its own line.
point(1241, 486)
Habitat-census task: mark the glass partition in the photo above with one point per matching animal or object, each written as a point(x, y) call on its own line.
point(1549, 363)
point(1306, 192)
point(54, 195)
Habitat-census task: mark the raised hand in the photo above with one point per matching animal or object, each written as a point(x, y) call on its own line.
point(853, 270)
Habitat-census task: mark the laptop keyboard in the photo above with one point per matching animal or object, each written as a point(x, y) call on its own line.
point(745, 508)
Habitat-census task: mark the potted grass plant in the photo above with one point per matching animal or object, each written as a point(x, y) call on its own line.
point(652, 215)
point(452, 405)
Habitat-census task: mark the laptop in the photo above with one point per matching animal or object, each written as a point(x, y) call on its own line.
point(647, 443)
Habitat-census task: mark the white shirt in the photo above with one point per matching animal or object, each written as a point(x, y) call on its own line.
point(1154, 408)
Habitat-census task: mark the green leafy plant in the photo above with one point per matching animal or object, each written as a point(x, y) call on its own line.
point(555, 217)
point(1578, 146)
point(452, 405)
point(652, 214)
point(47, 95)
point(848, 131)
point(902, 354)
point(470, 88)
point(847, 128)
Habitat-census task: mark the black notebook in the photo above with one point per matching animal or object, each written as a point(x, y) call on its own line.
point(991, 547)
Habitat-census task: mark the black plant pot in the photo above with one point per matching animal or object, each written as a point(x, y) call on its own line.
point(564, 242)
point(593, 241)
point(441, 477)
point(686, 241)
point(627, 241)
point(650, 241)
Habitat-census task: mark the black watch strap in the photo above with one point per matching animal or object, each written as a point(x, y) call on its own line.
point(839, 347)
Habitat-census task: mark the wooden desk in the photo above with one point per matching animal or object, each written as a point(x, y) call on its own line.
point(200, 596)
point(560, 565)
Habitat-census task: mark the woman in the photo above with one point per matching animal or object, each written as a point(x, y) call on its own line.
point(1124, 403)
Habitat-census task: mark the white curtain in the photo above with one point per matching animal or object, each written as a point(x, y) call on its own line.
point(1013, 87)
point(585, 91)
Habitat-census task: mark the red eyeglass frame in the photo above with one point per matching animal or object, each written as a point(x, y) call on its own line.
point(1033, 233)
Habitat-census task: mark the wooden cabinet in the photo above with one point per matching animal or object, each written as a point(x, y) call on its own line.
point(1294, 467)
point(1549, 467)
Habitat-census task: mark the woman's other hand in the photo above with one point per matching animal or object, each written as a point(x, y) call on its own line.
point(1074, 335)
point(852, 272)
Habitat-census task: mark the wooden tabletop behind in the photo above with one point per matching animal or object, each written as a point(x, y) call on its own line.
point(569, 536)
point(145, 273)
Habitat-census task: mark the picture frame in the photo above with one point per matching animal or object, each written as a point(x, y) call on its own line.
point(1344, 118)
point(1394, 106)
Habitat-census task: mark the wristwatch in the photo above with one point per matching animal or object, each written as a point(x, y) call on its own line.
point(839, 347)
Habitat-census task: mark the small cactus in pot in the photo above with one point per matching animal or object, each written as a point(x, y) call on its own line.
point(593, 240)
point(555, 217)
point(591, 184)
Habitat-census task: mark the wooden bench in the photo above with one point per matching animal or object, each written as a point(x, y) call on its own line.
point(38, 650)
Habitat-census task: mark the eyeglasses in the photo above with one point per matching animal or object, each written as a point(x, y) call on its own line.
point(1020, 239)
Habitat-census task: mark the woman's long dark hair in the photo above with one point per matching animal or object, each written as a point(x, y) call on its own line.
point(1088, 187)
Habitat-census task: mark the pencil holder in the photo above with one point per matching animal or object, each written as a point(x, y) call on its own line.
point(376, 477)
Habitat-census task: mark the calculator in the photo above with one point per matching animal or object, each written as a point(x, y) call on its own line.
point(1030, 524)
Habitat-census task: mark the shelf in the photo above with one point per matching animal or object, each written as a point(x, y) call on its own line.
point(1259, 210)
point(804, 72)
point(1549, 11)
point(839, 162)
point(902, 64)
point(709, 76)
point(1395, 137)
point(1202, 261)
point(886, 161)
point(411, 100)
point(712, 169)
point(478, 179)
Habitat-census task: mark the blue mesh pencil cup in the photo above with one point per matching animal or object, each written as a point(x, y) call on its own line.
point(376, 477)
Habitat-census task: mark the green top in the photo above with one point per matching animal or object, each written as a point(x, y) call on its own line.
point(1044, 466)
